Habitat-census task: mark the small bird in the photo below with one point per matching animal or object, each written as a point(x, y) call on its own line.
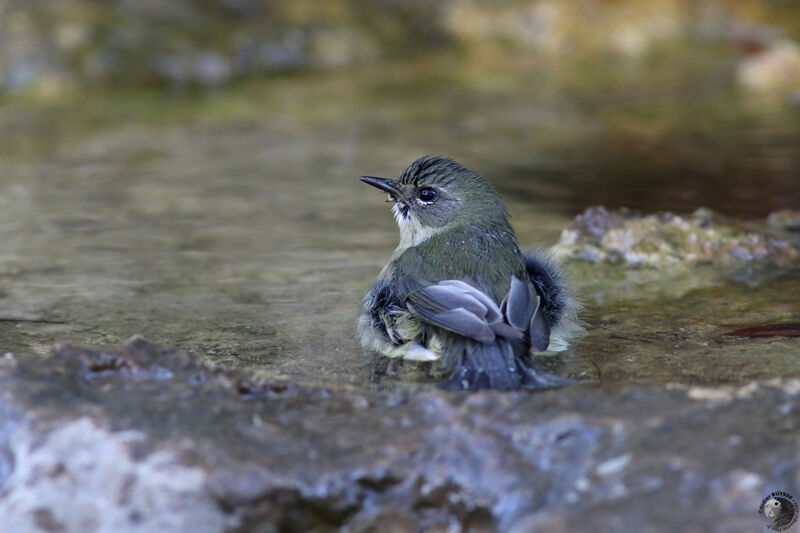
point(458, 289)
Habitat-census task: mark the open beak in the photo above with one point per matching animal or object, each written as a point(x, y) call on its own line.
point(385, 184)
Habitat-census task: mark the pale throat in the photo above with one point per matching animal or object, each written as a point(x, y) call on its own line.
point(412, 231)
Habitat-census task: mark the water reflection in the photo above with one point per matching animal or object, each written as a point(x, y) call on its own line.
point(748, 172)
point(233, 225)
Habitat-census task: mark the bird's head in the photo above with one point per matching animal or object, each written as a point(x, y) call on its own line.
point(435, 193)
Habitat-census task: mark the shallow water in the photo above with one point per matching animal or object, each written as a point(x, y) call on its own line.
point(233, 225)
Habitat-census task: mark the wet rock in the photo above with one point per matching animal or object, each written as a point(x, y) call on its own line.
point(560, 28)
point(664, 240)
point(61, 43)
point(144, 438)
point(204, 68)
point(52, 43)
point(785, 219)
point(27, 55)
point(775, 69)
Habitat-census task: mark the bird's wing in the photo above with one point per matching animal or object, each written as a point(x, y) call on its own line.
point(459, 307)
point(520, 304)
point(463, 309)
point(539, 330)
point(522, 309)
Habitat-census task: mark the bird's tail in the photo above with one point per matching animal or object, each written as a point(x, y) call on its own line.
point(493, 365)
point(559, 306)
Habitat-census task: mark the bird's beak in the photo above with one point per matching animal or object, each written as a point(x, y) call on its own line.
point(385, 184)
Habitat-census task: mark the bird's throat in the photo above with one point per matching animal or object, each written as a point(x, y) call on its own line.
point(412, 231)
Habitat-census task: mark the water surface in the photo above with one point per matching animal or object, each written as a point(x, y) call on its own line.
point(233, 225)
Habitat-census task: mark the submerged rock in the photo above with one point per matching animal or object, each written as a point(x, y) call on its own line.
point(144, 438)
point(664, 240)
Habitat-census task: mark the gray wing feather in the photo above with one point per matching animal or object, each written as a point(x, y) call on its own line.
point(458, 321)
point(520, 303)
point(493, 313)
point(458, 307)
point(540, 332)
point(463, 309)
point(504, 330)
point(450, 297)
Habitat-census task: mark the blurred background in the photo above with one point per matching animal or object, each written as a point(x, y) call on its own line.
point(188, 169)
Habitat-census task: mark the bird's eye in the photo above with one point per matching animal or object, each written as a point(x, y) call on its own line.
point(427, 194)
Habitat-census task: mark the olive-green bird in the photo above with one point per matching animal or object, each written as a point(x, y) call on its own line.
point(459, 290)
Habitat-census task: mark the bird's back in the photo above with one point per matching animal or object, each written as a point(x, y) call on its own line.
point(483, 257)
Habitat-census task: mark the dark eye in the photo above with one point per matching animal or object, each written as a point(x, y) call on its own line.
point(426, 194)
